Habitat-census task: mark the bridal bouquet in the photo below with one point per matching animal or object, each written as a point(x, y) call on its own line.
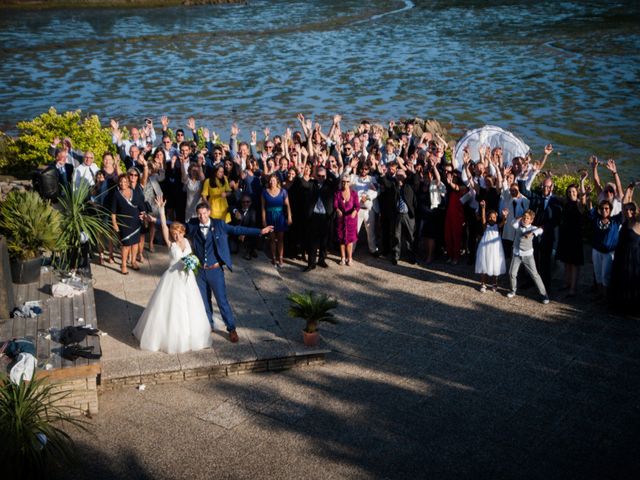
point(191, 264)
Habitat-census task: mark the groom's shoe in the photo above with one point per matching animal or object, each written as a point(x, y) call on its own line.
point(233, 336)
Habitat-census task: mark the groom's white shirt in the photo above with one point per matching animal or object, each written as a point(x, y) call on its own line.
point(205, 228)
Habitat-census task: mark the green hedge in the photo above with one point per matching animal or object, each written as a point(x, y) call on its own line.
point(35, 137)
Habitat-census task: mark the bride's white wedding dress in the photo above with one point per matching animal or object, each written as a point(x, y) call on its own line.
point(175, 320)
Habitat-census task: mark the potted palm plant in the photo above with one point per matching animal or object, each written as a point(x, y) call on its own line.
point(31, 427)
point(31, 227)
point(313, 308)
point(83, 226)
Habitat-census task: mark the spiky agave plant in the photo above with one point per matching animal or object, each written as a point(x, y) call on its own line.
point(81, 222)
point(31, 225)
point(31, 428)
point(313, 308)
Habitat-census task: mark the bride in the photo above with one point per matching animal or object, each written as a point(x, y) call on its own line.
point(175, 320)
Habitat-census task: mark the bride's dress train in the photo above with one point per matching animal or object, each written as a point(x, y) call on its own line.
point(175, 320)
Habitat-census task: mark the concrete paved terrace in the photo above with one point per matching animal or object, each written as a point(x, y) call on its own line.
point(427, 378)
point(267, 342)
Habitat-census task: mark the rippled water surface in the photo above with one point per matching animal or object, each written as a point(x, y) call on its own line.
point(566, 73)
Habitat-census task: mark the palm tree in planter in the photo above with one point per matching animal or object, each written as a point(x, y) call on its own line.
point(84, 226)
point(312, 308)
point(31, 226)
point(31, 428)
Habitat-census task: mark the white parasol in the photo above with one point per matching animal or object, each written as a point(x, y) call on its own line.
point(493, 136)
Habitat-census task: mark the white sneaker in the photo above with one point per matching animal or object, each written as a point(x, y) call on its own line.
point(545, 300)
point(511, 294)
point(483, 289)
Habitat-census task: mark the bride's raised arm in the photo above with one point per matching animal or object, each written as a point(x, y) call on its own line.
point(160, 201)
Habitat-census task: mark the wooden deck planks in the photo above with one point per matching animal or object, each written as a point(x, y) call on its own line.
point(66, 317)
point(43, 345)
point(57, 313)
point(55, 322)
point(90, 318)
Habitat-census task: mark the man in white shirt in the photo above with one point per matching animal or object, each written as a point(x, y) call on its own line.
point(86, 172)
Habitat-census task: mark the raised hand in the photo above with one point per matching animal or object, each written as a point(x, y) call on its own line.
point(287, 133)
point(309, 124)
point(548, 150)
point(160, 201)
point(114, 124)
point(234, 130)
point(205, 133)
point(466, 157)
point(505, 212)
point(56, 141)
point(300, 118)
point(392, 124)
point(267, 132)
point(483, 204)
point(611, 166)
point(254, 136)
point(191, 123)
point(593, 161)
point(164, 120)
point(336, 119)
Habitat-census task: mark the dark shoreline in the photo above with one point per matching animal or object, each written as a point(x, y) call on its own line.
point(96, 4)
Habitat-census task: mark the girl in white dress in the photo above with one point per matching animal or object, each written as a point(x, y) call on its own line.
point(175, 320)
point(490, 261)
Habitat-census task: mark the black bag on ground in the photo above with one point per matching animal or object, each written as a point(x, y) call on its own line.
point(46, 182)
point(69, 335)
point(73, 352)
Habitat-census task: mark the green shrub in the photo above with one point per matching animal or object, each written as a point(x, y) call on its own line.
point(36, 136)
point(8, 153)
point(31, 225)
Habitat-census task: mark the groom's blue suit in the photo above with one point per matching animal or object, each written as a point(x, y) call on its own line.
point(211, 246)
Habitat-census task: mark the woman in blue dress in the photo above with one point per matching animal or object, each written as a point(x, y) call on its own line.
point(276, 211)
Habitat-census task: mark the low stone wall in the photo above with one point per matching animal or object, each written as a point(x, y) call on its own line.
point(82, 395)
point(8, 185)
point(213, 371)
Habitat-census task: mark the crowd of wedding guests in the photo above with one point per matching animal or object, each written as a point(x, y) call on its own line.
point(323, 189)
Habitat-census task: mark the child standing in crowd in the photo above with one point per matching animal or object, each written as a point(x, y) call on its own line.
point(490, 261)
point(523, 254)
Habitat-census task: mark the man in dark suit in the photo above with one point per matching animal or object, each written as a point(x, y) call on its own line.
point(548, 209)
point(65, 170)
point(244, 216)
point(319, 213)
point(209, 238)
point(399, 211)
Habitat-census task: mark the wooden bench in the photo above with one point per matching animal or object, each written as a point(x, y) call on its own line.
point(79, 377)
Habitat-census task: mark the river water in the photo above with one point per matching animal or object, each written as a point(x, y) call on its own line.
point(567, 73)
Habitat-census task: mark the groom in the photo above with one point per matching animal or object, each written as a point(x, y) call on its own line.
point(209, 239)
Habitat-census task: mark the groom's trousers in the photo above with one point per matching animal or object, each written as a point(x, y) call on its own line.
point(213, 281)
